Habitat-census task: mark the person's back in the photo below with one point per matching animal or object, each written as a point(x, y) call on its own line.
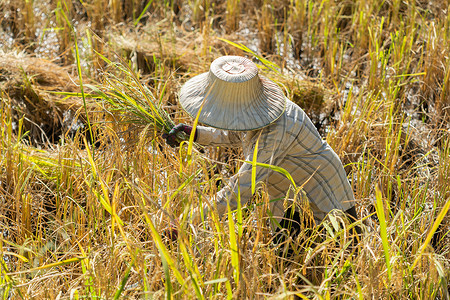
point(292, 143)
point(310, 161)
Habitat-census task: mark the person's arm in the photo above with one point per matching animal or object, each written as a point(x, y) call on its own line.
point(208, 136)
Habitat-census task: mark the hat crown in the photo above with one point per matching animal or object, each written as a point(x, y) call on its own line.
point(234, 69)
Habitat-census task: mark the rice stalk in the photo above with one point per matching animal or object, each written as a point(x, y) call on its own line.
point(193, 270)
point(124, 280)
point(63, 13)
point(267, 63)
point(234, 249)
point(254, 161)
point(129, 101)
point(433, 229)
point(232, 15)
point(142, 13)
point(383, 231)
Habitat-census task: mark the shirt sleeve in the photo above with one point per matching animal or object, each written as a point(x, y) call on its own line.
point(208, 136)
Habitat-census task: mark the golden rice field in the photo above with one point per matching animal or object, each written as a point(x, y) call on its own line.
point(88, 187)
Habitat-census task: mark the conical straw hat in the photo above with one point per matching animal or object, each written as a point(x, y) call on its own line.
point(233, 95)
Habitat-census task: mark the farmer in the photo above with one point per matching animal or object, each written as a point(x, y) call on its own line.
point(241, 107)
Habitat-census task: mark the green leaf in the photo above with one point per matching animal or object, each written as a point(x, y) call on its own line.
point(124, 279)
point(383, 229)
point(274, 67)
point(233, 245)
point(435, 226)
point(143, 12)
point(254, 161)
point(276, 169)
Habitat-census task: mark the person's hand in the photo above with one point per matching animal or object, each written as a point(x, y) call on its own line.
point(171, 137)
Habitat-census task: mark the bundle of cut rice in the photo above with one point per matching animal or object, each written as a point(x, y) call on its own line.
point(131, 102)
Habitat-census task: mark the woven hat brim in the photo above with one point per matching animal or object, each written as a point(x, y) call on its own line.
point(264, 107)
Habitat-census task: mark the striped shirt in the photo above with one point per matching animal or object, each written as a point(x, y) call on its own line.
point(294, 144)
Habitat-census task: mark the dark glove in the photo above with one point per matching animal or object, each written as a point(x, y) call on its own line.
point(171, 137)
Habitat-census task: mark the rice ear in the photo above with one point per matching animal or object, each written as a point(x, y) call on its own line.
point(131, 103)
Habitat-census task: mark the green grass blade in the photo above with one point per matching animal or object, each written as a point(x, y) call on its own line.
point(239, 215)
point(276, 169)
point(274, 67)
point(383, 230)
point(143, 12)
point(160, 245)
point(233, 245)
point(182, 186)
point(435, 226)
point(80, 78)
point(124, 280)
point(193, 270)
point(168, 283)
point(50, 265)
point(254, 161)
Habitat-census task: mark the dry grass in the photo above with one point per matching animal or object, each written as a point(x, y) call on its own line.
point(31, 86)
point(82, 211)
